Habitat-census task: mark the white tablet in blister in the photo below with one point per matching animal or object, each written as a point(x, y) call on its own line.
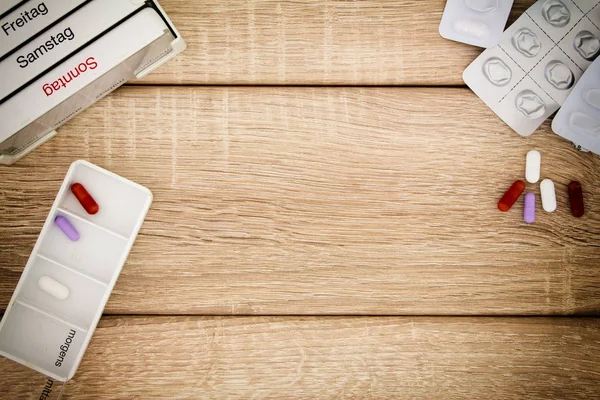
point(60, 41)
point(475, 22)
point(30, 18)
point(65, 285)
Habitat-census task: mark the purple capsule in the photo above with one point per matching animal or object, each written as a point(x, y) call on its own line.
point(529, 209)
point(67, 228)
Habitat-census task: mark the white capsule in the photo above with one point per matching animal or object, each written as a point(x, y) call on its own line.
point(53, 288)
point(548, 195)
point(533, 166)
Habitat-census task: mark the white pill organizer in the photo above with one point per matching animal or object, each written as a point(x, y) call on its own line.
point(65, 285)
point(579, 118)
point(529, 75)
point(475, 22)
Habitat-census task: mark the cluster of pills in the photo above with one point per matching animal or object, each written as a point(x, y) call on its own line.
point(547, 192)
point(87, 202)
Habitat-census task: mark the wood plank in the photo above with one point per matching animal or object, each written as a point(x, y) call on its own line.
point(331, 357)
point(321, 201)
point(359, 42)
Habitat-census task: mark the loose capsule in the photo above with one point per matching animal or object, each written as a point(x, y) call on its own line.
point(529, 209)
point(86, 199)
point(548, 195)
point(533, 166)
point(576, 199)
point(53, 288)
point(67, 228)
point(511, 196)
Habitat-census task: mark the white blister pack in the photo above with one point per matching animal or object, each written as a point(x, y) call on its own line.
point(475, 22)
point(66, 283)
point(538, 61)
point(579, 118)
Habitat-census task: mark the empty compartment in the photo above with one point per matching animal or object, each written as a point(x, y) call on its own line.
point(122, 204)
point(46, 285)
point(98, 253)
point(41, 341)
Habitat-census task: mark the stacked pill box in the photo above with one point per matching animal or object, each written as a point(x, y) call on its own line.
point(57, 57)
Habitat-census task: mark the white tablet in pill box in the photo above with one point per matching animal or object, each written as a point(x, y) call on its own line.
point(62, 292)
point(475, 22)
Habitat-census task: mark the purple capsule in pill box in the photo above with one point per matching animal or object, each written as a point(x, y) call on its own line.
point(67, 228)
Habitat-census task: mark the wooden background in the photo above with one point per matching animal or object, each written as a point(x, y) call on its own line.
point(324, 221)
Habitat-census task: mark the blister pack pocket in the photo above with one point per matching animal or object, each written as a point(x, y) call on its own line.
point(540, 58)
point(475, 22)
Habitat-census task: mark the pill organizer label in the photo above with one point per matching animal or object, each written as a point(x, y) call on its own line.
point(52, 43)
point(61, 41)
point(47, 389)
point(24, 17)
point(29, 19)
point(74, 73)
point(530, 73)
point(64, 348)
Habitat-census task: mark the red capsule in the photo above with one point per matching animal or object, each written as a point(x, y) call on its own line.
point(511, 196)
point(86, 200)
point(576, 199)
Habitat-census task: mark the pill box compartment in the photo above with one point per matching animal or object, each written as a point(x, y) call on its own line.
point(120, 202)
point(84, 297)
point(97, 252)
point(37, 321)
point(35, 339)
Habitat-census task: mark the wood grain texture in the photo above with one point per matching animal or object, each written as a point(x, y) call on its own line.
point(308, 42)
point(321, 201)
point(331, 358)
